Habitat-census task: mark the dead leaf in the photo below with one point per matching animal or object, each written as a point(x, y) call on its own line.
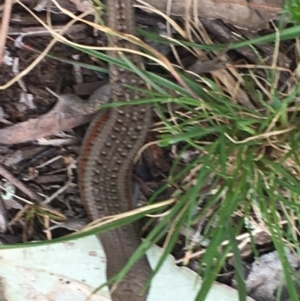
point(248, 14)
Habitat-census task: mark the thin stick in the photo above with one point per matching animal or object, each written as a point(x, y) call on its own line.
point(5, 26)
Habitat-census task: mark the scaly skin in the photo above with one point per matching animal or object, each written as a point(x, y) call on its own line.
point(109, 148)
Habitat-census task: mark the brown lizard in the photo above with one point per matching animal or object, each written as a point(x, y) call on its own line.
point(110, 145)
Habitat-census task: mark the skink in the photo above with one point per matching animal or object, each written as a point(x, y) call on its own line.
point(110, 145)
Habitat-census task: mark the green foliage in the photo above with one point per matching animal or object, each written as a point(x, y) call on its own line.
point(293, 8)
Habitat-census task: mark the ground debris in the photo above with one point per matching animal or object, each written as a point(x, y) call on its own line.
point(265, 277)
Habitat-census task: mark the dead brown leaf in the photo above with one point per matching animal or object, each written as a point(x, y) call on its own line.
point(251, 14)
